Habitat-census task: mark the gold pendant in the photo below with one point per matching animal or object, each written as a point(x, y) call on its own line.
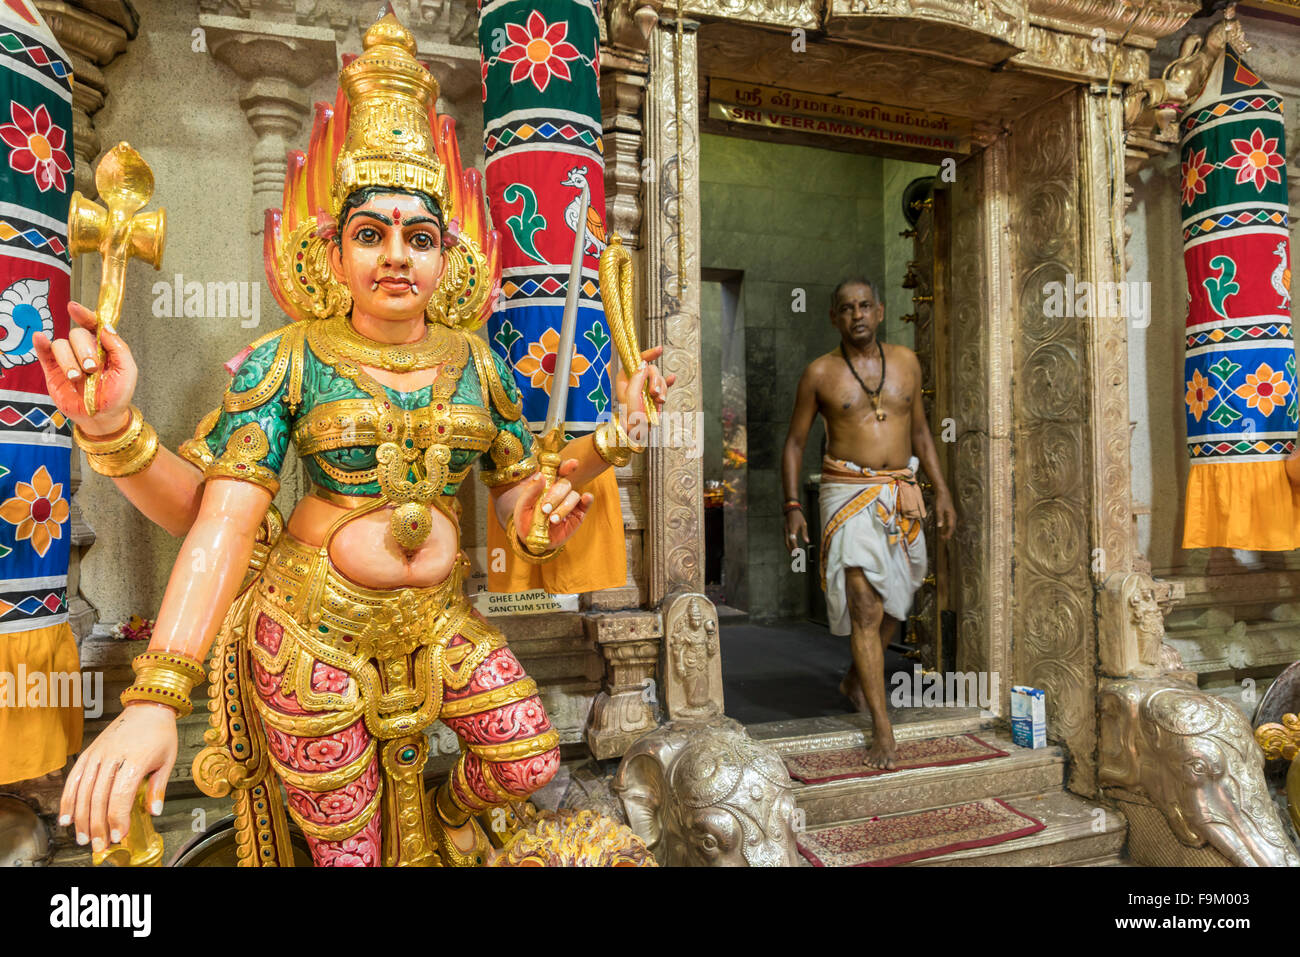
point(411, 523)
point(880, 416)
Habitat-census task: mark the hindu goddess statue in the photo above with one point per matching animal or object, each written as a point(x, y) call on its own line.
point(341, 636)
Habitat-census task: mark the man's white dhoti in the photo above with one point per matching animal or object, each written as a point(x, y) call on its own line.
point(871, 520)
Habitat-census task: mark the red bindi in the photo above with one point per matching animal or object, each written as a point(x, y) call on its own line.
point(397, 215)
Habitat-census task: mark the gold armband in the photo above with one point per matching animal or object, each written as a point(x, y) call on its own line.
point(164, 678)
point(129, 453)
point(523, 551)
point(613, 444)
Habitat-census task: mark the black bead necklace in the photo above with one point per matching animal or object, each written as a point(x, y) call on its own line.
point(873, 395)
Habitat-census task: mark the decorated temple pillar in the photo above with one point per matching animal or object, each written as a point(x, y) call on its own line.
point(92, 40)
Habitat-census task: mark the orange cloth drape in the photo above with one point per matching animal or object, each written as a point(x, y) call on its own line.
point(594, 558)
point(39, 727)
point(1248, 505)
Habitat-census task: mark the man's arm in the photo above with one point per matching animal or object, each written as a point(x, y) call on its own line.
point(923, 448)
point(796, 438)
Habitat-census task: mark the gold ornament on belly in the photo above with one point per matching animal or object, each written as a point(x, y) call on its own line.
point(412, 519)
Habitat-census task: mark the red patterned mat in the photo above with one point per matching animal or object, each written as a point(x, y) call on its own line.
point(815, 767)
point(885, 841)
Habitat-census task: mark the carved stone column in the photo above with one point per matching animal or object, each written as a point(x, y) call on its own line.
point(277, 61)
point(622, 93)
point(672, 241)
point(92, 41)
point(625, 710)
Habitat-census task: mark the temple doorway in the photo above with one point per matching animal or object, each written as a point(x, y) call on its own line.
point(782, 223)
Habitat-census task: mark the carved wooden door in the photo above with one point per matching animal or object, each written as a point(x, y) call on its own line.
point(932, 625)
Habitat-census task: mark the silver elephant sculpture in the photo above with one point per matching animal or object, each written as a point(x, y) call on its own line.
point(1194, 757)
point(706, 794)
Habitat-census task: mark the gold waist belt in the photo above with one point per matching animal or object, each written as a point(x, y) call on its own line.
point(394, 644)
point(380, 623)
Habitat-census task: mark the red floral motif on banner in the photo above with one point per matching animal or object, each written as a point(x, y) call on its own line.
point(1256, 158)
point(538, 51)
point(1195, 171)
point(36, 146)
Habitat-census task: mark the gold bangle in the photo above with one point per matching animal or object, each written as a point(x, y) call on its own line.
point(129, 453)
point(615, 452)
point(99, 446)
point(164, 678)
point(130, 461)
point(625, 439)
point(522, 550)
point(449, 808)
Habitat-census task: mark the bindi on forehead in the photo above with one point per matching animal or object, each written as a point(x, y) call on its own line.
point(397, 215)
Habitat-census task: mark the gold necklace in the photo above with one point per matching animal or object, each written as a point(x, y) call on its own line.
point(433, 350)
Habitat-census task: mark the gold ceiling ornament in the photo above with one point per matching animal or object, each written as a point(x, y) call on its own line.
point(384, 130)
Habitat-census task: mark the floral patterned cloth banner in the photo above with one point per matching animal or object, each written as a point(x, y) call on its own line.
point(542, 136)
point(36, 638)
point(1240, 370)
point(35, 444)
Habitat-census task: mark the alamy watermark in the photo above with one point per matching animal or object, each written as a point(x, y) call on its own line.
point(1098, 300)
point(672, 430)
point(179, 299)
point(53, 689)
point(952, 689)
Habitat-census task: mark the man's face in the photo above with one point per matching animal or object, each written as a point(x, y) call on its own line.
point(856, 314)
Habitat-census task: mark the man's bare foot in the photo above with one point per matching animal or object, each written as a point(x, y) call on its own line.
point(883, 753)
point(851, 689)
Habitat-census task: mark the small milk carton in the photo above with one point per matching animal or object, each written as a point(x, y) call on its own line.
point(1028, 717)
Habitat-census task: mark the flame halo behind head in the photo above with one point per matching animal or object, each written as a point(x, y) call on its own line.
point(383, 130)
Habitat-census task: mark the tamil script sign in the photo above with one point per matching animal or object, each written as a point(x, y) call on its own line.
point(760, 105)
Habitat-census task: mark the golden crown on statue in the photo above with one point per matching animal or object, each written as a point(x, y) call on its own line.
point(383, 130)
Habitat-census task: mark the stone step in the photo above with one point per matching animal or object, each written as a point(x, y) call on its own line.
point(1075, 835)
point(1023, 771)
point(849, 730)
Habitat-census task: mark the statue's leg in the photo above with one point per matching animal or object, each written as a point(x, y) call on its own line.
point(327, 761)
point(509, 748)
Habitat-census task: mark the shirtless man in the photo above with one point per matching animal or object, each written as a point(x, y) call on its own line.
point(869, 393)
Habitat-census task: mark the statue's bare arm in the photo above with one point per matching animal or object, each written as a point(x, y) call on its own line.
point(169, 490)
point(142, 740)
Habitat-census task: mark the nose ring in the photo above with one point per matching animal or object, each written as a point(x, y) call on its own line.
point(383, 260)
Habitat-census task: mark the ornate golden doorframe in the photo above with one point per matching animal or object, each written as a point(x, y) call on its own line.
point(1033, 203)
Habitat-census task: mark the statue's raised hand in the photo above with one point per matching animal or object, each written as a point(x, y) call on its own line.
point(100, 791)
point(631, 392)
point(67, 362)
point(563, 507)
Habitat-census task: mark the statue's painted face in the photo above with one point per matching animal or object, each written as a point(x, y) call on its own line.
point(390, 255)
point(856, 313)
